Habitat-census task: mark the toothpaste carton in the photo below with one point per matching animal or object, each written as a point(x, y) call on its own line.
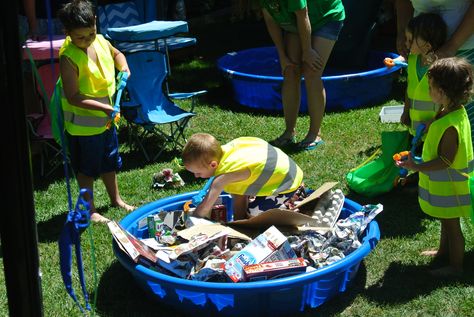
point(271, 244)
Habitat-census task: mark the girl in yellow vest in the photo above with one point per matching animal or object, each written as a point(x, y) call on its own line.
point(424, 34)
point(246, 167)
point(87, 63)
point(447, 160)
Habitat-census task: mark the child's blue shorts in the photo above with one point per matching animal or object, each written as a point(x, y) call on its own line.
point(96, 154)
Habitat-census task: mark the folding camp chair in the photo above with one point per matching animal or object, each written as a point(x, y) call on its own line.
point(141, 13)
point(40, 123)
point(150, 106)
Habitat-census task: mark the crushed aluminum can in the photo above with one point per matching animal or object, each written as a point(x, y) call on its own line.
point(219, 214)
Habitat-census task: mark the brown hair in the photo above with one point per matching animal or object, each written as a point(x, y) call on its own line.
point(77, 14)
point(430, 27)
point(453, 76)
point(203, 148)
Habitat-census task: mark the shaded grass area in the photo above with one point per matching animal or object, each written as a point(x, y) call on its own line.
point(392, 280)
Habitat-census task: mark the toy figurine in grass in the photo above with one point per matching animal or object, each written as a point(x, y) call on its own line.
point(167, 179)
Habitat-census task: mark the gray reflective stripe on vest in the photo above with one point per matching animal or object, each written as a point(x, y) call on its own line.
point(268, 170)
point(289, 177)
point(85, 121)
point(421, 105)
point(444, 201)
point(450, 174)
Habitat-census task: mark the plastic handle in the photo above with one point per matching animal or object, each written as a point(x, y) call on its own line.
point(197, 199)
point(122, 82)
point(390, 62)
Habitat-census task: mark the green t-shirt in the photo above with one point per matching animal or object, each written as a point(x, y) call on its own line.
point(320, 12)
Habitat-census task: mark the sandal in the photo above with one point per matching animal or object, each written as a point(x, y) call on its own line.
point(283, 142)
point(309, 145)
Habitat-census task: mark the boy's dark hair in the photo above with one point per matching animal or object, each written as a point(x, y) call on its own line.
point(77, 14)
point(453, 76)
point(429, 27)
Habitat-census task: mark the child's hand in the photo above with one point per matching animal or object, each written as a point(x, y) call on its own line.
point(407, 163)
point(126, 70)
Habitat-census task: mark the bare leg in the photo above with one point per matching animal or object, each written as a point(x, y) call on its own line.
point(456, 248)
point(85, 181)
point(443, 245)
point(316, 95)
point(240, 205)
point(110, 182)
point(291, 88)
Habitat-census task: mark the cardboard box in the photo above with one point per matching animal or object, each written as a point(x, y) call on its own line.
point(287, 217)
point(277, 269)
point(271, 245)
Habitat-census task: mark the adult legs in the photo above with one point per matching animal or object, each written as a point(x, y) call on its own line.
point(315, 93)
point(291, 87)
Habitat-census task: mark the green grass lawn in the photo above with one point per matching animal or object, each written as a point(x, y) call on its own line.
point(392, 280)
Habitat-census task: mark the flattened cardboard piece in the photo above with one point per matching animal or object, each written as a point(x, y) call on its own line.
point(210, 230)
point(284, 217)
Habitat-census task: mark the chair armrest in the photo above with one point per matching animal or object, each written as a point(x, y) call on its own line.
point(186, 95)
point(129, 104)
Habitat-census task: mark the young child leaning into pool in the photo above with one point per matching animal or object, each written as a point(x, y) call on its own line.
point(246, 167)
point(447, 159)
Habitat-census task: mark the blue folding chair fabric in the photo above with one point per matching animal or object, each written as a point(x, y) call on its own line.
point(150, 105)
point(121, 22)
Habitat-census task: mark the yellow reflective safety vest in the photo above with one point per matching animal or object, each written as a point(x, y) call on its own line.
point(422, 108)
point(445, 193)
point(93, 83)
point(272, 172)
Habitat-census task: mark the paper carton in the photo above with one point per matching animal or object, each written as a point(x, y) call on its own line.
point(271, 245)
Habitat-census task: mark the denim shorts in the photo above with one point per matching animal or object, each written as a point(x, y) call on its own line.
point(95, 154)
point(329, 30)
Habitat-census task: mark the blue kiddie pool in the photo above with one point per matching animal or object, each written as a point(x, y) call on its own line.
point(255, 77)
point(262, 298)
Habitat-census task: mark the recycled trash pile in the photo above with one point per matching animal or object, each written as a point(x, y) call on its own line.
point(182, 259)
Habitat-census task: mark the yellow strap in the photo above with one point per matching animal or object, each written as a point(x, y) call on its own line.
point(370, 158)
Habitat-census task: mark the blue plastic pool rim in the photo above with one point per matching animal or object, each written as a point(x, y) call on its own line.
point(354, 258)
point(240, 75)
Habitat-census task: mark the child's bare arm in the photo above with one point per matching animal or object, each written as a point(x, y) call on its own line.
point(120, 61)
point(447, 149)
point(69, 74)
point(204, 208)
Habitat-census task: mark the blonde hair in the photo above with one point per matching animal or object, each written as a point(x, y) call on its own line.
point(202, 148)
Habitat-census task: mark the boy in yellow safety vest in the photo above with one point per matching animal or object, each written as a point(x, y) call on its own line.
point(246, 168)
point(87, 64)
point(447, 160)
